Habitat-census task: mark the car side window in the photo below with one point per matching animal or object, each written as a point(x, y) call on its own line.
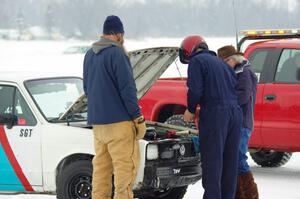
point(288, 66)
point(20, 107)
point(6, 99)
point(257, 60)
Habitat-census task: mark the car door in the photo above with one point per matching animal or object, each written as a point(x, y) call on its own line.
point(260, 60)
point(281, 115)
point(20, 148)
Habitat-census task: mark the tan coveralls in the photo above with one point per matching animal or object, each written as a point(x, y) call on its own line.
point(117, 153)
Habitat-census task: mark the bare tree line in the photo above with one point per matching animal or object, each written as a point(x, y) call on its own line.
point(152, 18)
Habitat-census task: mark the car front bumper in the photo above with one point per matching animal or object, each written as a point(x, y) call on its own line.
point(171, 176)
point(159, 177)
point(161, 174)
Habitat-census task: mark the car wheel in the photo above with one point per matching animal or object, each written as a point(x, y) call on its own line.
point(175, 193)
point(179, 121)
point(74, 181)
point(270, 158)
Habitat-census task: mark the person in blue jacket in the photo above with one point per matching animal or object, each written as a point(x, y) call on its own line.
point(211, 84)
point(114, 112)
point(246, 90)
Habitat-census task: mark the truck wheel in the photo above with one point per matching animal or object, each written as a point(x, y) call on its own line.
point(175, 193)
point(179, 121)
point(270, 158)
point(75, 181)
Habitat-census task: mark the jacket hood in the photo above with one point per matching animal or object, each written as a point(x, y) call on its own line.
point(103, 43)
point(240, 67)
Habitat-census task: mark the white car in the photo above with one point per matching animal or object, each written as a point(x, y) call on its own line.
point(46, 145)
point(77, 49)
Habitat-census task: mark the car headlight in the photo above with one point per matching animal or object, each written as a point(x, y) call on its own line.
point(152, 152)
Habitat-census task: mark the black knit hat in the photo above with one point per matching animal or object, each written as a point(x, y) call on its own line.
point(112, 25)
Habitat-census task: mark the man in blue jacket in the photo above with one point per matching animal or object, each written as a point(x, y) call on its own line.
point(114, 112)
point(246, 91)
point(211, 84)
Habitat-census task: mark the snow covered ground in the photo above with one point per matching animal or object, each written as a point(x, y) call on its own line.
point(48, 55)
point(273, 183)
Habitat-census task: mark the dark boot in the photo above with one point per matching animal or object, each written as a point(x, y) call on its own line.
point(240, 193)
point(249, 186)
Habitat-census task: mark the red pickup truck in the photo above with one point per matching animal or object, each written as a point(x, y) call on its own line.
point(276, 61)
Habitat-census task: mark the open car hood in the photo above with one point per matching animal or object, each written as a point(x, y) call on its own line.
point(147, 64)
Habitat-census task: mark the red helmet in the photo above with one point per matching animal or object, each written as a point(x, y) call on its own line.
point(189, 45)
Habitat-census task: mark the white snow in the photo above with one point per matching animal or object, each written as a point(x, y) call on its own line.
point(273, 183)
point(47, 55)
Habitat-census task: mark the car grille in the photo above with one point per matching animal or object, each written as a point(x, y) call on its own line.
point(178, 149)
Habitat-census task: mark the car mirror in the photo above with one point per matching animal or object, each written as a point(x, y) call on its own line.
point(9, 120)
point(298, 74)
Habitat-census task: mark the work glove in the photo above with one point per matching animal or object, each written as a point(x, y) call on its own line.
point(188, 116)
point(140, 127)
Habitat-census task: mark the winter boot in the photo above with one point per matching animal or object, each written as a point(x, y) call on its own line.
point(249, 186)
point(240, 194)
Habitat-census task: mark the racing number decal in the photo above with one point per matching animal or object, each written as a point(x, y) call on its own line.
point(13, 161)
point(26, 132)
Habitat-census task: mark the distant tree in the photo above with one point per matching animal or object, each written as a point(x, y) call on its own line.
point(20, 23)
point(83, 19)
point(49, 19)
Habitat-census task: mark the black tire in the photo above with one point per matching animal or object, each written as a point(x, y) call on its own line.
point(270, 158)
point(179, 121)
point(175, 193)
point(74, 181)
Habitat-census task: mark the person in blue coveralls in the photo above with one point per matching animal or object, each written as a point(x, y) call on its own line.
point(246, 90)
point(211, 84)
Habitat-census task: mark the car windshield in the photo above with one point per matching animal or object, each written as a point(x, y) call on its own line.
point(55, 96)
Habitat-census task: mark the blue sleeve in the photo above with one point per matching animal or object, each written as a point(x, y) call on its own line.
point(85, 73)
point(125, 82)
point(244, 87)
point(195, 83)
